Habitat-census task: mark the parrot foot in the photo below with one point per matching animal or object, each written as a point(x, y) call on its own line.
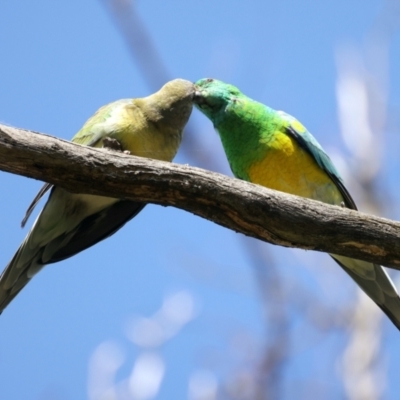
point(112, 144)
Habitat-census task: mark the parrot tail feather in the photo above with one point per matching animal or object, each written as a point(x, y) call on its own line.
point(376, 283)
point(9, 292)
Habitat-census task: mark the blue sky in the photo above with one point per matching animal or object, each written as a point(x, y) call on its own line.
point(62, 61)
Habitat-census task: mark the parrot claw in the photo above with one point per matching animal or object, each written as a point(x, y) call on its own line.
point(112, 144)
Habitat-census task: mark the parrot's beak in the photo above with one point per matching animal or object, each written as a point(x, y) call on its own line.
point(198, 97)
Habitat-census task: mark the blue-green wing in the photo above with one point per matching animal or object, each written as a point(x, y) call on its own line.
point(310, 144)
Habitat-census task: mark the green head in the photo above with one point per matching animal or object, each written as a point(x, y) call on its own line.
point(212, 97)
point(241, 122)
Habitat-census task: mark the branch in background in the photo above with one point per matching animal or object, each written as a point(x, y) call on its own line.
point(274, 296)
point(146, 57)
point(139, 43)
point(265, 214)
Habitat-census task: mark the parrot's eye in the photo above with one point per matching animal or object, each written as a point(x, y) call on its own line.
point(209, 80)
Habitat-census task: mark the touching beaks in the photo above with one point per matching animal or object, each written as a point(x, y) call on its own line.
point(198, 98)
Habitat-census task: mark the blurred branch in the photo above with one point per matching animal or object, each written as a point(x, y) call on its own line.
point(253, 210)
point(139, 42)
point(274, 297)
point(145, 55)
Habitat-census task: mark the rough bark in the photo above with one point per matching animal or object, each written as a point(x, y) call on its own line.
point(255, 211)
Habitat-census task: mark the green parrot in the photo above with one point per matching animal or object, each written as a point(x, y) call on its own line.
point(69, 223)
point(273, 149)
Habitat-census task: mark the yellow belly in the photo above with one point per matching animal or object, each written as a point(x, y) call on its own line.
point(288, 168)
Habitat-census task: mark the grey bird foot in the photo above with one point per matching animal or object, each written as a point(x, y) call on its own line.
point(112, 144)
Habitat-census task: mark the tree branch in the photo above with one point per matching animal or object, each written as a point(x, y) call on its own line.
point(255, 211)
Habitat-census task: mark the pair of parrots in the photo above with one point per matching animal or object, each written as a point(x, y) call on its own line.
point(263, 146)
